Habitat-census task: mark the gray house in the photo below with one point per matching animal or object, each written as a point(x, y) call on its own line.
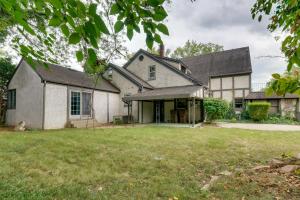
point(148, 88)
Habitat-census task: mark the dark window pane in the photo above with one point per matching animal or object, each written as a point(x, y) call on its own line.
point(86, 103)
point(75, 103)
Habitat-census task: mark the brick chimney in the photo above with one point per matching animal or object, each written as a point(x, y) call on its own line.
point(161, 50)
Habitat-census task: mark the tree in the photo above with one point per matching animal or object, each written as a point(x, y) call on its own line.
point(84, 24)
point(285, 18)
point(6, 71)
point(193, 48)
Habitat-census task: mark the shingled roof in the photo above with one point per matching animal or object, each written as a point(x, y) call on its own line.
point(229, 62)
point(67, 76)
point(263, 96)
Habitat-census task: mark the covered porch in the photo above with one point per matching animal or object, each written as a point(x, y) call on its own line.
point(181, 106)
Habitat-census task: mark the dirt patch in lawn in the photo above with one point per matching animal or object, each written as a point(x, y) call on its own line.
point(6, 128)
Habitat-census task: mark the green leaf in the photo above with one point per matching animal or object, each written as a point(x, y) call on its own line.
point(92, 56)
point(92, 9)
point(163, 28)
point(114, 9)
point(65, 30)
point(157, 39)
point(276, 76)
point(55, 21)
point(79, 56)
point(100, 24)
point(74, 38)
point(56, 3)
point(160, 14)
point(118, 26)
point(154, 3)
point(129, 32)
point(149, 41)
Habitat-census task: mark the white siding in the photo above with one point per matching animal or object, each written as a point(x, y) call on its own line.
point(29, 98)
point(165, 77)
point(147, 112)
point(56, 106)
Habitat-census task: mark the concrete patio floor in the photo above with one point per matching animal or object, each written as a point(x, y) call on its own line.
point(261, 127)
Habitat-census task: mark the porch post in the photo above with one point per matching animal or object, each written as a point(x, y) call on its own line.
point(138, 102)
point(142, 112)
point(194, 111)
point(189, 111)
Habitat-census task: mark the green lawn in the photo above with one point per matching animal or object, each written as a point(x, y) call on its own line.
point(138, 163)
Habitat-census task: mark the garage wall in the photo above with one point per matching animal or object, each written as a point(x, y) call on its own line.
point(56, 106)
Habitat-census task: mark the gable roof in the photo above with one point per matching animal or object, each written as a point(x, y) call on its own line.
point(130, 76)
point(263, 96)
point(162, 62)
point(229, 62)
point(66, 76)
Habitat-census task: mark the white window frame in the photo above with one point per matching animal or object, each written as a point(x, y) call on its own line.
point(80, 116)
point(151, 72)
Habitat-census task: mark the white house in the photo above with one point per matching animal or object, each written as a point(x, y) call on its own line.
point(150, 88)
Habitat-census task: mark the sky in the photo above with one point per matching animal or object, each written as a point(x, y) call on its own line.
point(225, 22)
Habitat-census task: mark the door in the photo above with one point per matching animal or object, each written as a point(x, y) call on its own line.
point(159, 111)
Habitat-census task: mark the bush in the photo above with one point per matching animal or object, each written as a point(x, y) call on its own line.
point(245, 115)
point(215, 109)
point(258, 111)
point(230, 114)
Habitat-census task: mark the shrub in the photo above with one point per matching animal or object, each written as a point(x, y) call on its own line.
point(245, 115)
point(258, 110)
point(215, 109)
point(230, 114)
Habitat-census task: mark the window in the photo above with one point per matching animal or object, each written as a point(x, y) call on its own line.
point(181, 104)
point(274, 106)
point(75, 103)
point(141, 57)
point(86, 103)
point(183, 69)
point(238, 103)
point(11, 99)
point(152, 72)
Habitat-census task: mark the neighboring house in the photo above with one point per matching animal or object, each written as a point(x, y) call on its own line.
point(148, 88)
point(51, 98)
point(287, 105)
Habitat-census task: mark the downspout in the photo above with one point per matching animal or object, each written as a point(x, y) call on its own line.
point(44, 99)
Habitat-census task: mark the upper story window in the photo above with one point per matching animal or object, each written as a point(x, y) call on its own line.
point(141, 57)
point(11, 99)
point(152, 72)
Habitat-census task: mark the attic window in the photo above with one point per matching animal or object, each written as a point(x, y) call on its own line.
point(141, 57)
point(183, 69)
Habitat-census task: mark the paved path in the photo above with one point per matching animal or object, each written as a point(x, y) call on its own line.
point(262, 127)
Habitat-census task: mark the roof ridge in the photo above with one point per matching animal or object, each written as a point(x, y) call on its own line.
point(217, 52)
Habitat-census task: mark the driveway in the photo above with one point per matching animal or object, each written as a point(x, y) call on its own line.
point(261, 127)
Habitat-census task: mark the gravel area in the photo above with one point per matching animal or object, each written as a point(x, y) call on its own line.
point(261, 127)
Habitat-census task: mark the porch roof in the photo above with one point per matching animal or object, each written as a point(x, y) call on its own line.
point(187, 91)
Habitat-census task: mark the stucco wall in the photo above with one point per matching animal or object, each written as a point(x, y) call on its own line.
point(126, 87)
point(164, 76)
point(56, 106)
point(106, 106)
point(147, 112)
point(29, 98)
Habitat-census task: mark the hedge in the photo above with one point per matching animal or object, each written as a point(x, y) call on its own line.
point(215, 109)
point(258, 110)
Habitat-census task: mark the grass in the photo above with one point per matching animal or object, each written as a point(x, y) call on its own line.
point(136, 163)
